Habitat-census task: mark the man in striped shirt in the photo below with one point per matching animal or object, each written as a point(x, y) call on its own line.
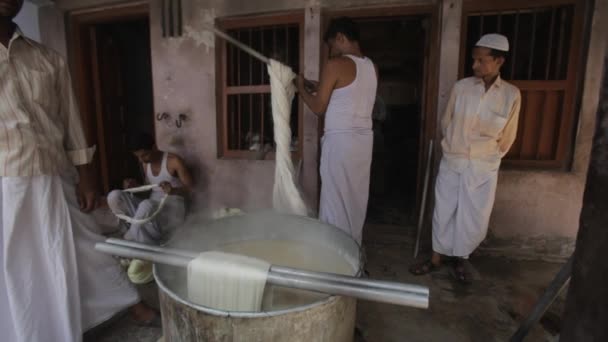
point(53, 284)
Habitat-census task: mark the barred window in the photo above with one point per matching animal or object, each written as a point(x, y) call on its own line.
point(543, 64)
point(244, 107)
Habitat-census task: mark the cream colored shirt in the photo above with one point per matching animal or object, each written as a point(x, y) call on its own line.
point(40, 126)
point(479, 124)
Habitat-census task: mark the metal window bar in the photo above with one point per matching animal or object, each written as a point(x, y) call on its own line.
point(238, 60)
point(481, 25)
point(250, 58)
point(262, 114)
point(550, 47)
point(560, 46)
point(286, 46)
point(237, 75)
point(498, 23)
point(532, 45)
point(515, 41)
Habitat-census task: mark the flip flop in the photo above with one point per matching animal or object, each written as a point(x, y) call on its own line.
point(423, 268)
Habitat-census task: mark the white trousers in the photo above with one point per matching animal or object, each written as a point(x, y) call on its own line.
point(53, 284)
point(346, 160)
point(464, 198)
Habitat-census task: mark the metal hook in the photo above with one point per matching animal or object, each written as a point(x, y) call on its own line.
point(180, 119)
point(162, 116)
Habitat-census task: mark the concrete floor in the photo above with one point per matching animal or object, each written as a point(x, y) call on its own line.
point(503, 291)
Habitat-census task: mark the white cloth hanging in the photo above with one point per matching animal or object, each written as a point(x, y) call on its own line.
point(286, 197)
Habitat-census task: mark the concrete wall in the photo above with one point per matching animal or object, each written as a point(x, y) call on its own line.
point(535, 211)
point(28, 21)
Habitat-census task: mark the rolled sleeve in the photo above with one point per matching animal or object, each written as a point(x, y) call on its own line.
point(81, 156)
point(75, 143)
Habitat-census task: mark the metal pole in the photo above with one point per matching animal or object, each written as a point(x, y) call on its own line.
point(424, 194)
point(288, 271)
point(398, 297)
point(238, 44)
point(555, 287)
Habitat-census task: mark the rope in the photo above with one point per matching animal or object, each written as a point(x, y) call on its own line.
point(144, 188)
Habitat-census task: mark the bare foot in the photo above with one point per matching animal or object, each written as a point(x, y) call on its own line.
point(143, 314)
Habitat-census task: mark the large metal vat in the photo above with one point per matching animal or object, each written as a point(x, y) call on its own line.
point(316, 318)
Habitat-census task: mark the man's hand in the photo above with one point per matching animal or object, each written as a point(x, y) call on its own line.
point(129, 183)
point(306, 85)
point(167, 187)
point(86, 192)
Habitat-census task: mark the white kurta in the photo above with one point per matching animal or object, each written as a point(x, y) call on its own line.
point(479, 127)
point(53, 285)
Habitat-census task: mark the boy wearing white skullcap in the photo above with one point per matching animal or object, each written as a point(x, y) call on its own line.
point(478, 128)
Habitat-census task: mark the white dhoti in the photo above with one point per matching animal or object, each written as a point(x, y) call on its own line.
point(464, 196)
point(160, 227)
point(53, 284)
point(346, 159)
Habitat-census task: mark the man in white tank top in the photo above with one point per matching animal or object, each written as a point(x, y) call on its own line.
point(346, 95)
point(163, 168)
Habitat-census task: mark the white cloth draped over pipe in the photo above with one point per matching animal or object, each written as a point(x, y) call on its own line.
point(54, 285)
point(286, 197)
point(229, 282)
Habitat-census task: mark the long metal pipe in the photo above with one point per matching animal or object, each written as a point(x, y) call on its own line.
point(387, 285)
point(361, 291)
point(238, 44)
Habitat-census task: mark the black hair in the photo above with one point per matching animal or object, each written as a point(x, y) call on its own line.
point(344, 25)
point(140, 141)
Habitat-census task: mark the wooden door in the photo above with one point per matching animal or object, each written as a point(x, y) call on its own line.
point(110, 107)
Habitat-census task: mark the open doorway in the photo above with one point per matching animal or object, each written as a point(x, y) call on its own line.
point(398, 46)
point(114, 80)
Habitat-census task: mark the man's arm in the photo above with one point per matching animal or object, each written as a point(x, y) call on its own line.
point(446, 119)
point(177, 165)
point(75, 143)
point(510, 132)
point(317, 102)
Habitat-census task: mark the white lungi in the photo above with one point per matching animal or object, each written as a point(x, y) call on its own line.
point(53, 284)
point(464, 197)
point(346, 159)
point(160, 227)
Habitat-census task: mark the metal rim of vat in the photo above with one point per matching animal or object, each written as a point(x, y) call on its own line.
point(237, 314)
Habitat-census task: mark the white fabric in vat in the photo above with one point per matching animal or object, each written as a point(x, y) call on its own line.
point(227, 282)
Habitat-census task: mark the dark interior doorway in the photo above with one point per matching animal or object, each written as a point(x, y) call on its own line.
point(397, 45)
point(114, 70)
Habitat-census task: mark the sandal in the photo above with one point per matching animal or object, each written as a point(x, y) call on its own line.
point(423, 268)
point(460, 273)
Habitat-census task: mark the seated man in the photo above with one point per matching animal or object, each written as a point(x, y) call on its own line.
point(170, 173)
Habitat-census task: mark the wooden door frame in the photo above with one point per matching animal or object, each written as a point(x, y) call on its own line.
point(83, 69)
point(430, 76)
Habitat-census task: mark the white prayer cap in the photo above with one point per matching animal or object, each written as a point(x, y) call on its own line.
point(494, 41)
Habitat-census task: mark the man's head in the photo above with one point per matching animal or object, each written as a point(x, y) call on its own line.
point(489, 54)
point(142, 146)
point(341, 36)
point(10, 8)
